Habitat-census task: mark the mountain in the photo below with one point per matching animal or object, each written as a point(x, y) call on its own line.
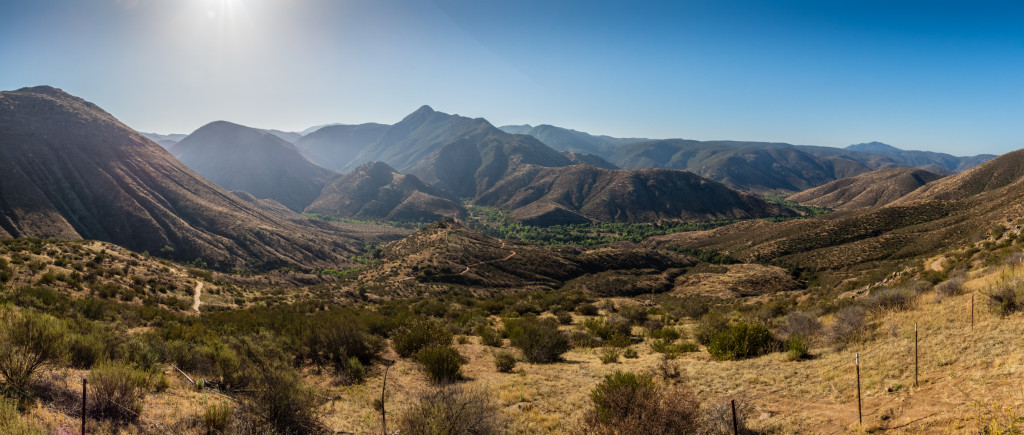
point(376, 191)
point(921, 159)
point(164, 140)
point(289, 136)
point(564, 139)
point(997, 180)
point(459, 155)
point(580, 193)
point(243, 158)
point(315, 128)
point(334, 146)
point(873, 147)
point(870, 189)
point(72, 171)
point(760, 169)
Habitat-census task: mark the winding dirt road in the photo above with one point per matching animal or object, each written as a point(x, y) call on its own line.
point(195, 296)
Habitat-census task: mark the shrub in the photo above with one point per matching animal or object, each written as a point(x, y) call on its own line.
point(667, 333)
point(582, 339)
point(953, 286)
point(11, 421)
point(797, 348)
point(608, 328)
point(29, 342)
point(717, 417)
point(893, 298)
point(801, 323)
point(409, 340)
point(118, 390)
point(6, 272)
point(86, 350)
point(587, 309)
point(442, 364)
point(635, 314)
point(668, 369)
point(282, 400)
point(630, 353)
point(610, 355)
point(627, 403)
point(564, 317)
point(672, 351)
point(488, 336)
point(452, 410)
point(709, 325)
point(335, 341)
point(505, 362)
point(741, 340)
point(539, 339)
point(217, 417)
point(1004, 300)
point(847, 326)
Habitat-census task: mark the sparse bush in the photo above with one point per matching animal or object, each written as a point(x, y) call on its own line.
point(282, 400)
point(6, 272)
point(608, 328)
point(953, 286)
point(587, 309)
point(335, 341)
point(118, 390)
point(709, 325)
point(409, 340)
point(11, 421)
point(443, 365)
point(564, 317)
point(539, 339)
point(582, 339)
point(671, 350)
point(29, 342)
point(893, 298)
point(628, 403)
point(797, 348)
point(630, 353)
point(452, 410)
point(488, 336)
point(505, 362)
point(87, 349)
point(635, 314)
point(217, 417)
point(801, 323)
point(1005, 300)
point(667, 333)
point(741, 340)
point(610, 355)
point(668, 369)
point(848, 324)
point(717, 417)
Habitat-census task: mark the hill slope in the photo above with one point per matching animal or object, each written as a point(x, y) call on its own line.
point(335, 146)
point(71, 171)
point(242, 158)
point(376, 191)
point(870, 189)
point(564, 139)
point(580, 193)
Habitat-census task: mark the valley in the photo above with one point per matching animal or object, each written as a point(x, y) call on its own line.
point(524, 279)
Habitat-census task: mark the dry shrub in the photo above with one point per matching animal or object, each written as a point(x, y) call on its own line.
point(539, 339)
point(453, 410)
point(717, 417)
point(627, 403)
point(801, 323)
point(29, 342)
point(847, 326)
point(443, 365)
point(504, 361)
point(11, 421)
point(1005, 300)
point(217, 417)
point(893, 298)
point(953, 286)
point(118, 390)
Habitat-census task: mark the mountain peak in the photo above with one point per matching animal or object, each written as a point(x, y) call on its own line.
point(872, 146)
point(424, 109)
point(45, 90)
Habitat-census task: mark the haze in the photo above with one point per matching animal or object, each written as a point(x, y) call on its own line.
point(943, 76)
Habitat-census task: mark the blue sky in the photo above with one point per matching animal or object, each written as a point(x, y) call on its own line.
point(934, 75)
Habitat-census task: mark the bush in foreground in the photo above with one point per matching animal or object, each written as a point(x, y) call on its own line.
point(29, 342)
point(539, 339)
point(443, 365)
point(628, 403)
point(505, 362)
point(741, 340)
point(452, 410)
point(118, 390)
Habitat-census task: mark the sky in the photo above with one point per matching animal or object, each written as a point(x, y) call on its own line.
point(930, 75)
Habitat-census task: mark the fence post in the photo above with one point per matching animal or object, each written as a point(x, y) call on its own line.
point(735, 425)
point(915, 354)
point(860, 415)
point(84, 386)
point(972, 311)
point(383, 413)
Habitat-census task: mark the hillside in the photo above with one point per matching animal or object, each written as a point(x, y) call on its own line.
point(580, 193)
point(164, 140)
point(72, 171)
point(921, 159)
point(248, 159)
point(335, 146)
point(564, 139)
point(870, 189)
point(376, 191)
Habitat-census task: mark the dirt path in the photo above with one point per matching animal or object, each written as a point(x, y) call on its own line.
point(513, 254)
point(195, 296)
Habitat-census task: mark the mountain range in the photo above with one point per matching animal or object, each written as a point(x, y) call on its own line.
point(70, 170)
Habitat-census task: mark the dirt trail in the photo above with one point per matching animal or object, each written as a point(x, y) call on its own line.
point(513, 254)
point(195, 296)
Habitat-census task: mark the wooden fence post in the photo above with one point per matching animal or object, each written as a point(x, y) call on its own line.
point(383, 414)
point(85, 383)
point(915, 354)
point(860, 415)
point(735, 424)
point(972, 311)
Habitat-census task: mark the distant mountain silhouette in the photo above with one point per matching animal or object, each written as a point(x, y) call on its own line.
point(459, 155)
point(243, 158)
point(71, 170)
point(921, 159)
point(579, 194)
point(164, 140)
point(289, 136)
point(873, 147)
point(870, 189)
point(564, 139)
point(376, 191)
point(335, 146)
